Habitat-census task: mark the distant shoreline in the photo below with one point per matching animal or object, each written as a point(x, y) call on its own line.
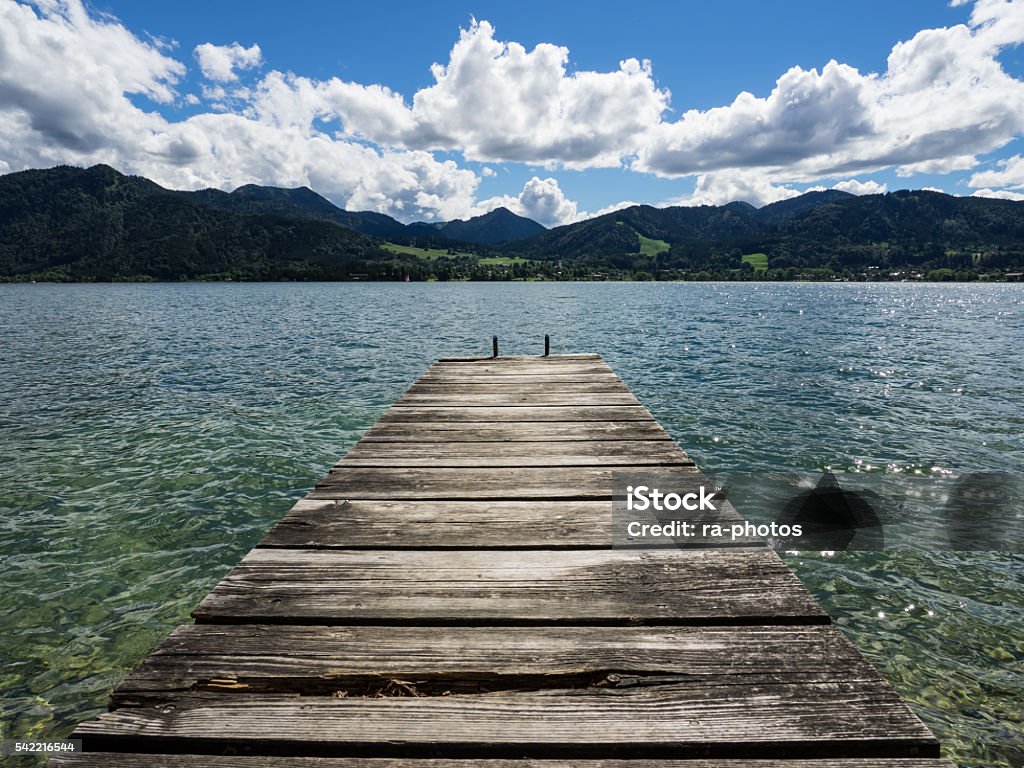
point(68, 224)
point(925, 281)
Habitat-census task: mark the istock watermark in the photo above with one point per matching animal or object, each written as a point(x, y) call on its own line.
point(825, 511)
point(641, 498)
point(665, 509)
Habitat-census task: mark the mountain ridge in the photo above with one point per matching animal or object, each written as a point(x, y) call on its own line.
point(99, 224)
point(96, 223)
point(496, 227)
point(297, 202)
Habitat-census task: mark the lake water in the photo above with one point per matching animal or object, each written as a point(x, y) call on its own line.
point(150, 435)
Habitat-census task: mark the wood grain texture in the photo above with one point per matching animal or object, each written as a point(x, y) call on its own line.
point(499, 381)
point(516, 413)
point(677, 720)
point(694, 586)
point(484, 483)
point(510, 431)
point(500, 370)
point(511, 362)
point(325, 660)
point(415, 524)
point(593, 453)
point(567, 399)
point(372, 524)
point(534, 359)
point(589, 386)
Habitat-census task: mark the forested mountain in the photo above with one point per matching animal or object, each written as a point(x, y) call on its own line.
point(494, 228)
point(616, 234)
point(834, 230)
point(919, 228)
point(784, 210)
point(301, 202)
point(97, 224)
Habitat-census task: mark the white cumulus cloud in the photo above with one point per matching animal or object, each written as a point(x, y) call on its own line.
point(219, 62)
point(65, 81)
point(855, 187)
point(496, 101)
point(721, 188)
point(540, 199)
point(74, 86)
point(943, 99)
point(807, 114)
point(1010, 173)
point(999, 194)
point(618, 206)
point(544, 201)
point(493, 101)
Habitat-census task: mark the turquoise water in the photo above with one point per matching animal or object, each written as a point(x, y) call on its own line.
point(150, 434)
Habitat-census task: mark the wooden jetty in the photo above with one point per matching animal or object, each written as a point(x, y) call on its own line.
point(448, 596)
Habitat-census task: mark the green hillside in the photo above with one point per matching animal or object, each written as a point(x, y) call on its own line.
point(817, 234)
point(759, 261)
point(651, 247)
point(97, 224)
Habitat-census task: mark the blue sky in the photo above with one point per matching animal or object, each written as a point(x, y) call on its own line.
point(556, 110)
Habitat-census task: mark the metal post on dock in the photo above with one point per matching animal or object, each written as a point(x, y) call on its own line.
point(494, 345)
point(547, 345)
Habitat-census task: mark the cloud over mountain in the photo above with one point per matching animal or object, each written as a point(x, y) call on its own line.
point(943, 99)
point(541, 200)
point(77, 86)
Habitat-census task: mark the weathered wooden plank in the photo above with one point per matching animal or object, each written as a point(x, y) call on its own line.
point(511, 431)
point(414, 414)
point(571, 399)
point(525, 370)
point(512, 461)
point(855, 718)
point(520, 369)
point(373, 524)
point(483, 483)
point(127, 760)
point(697, 651)
point(512, 360)
point(524, 366)
point(360, 660)
point(487, 450)
point(535, 359)
point(443, 524)
point(493, 454)
point(692, 586)
point(433, 377)
point(613, 384)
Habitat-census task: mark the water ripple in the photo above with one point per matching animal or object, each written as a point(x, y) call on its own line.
point(152, 433)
